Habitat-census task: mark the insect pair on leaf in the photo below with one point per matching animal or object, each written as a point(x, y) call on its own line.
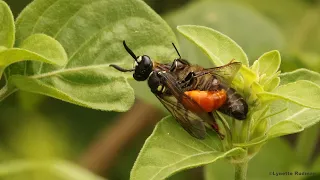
point(191, 93)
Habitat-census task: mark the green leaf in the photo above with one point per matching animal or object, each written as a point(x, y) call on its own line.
point(252, 142)
point(304, 116)
point(269, 63)
point(304, 93)
point(275, 156)
point(272, 84)
point(249, 28)
point(248, 75)
point(37, 47)
point(219, 47)
point(2, 48)
point(300, 74)
point(92, 31)
point(118, 95)
point(283, 128)
point(247, 79)
point(257, 118)
point(299, 116)
point(46, 46)
point(55, 168)
point(170, 149)
point(7, 31)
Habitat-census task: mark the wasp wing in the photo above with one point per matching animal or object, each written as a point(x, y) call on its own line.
point(225, 73)
point(188, 120)
point(170, 82)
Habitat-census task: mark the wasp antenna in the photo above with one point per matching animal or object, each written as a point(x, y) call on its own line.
point(120, 68)
point(176, 50)
point(129, 51)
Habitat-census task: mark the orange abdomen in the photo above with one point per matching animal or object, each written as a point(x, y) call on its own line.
point(208, 100)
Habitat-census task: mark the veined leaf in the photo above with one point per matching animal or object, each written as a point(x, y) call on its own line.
point(248, 75)
point(7, 31)
point(171, 149)
point(219, 47)
point(283, 128)
point(249, 28)
point(46, 46)
point(37, 47)
point(300, 74)
point(119, 101)
point(252, 142)
point(304, 93)
point(272, 84)
point(296, 113)
point(91, 32)
point(269, 63)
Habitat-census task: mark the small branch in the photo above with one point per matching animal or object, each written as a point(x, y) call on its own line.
point(104, 150)
point(241, 170)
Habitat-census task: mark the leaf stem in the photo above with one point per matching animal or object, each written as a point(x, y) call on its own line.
point(241, 170)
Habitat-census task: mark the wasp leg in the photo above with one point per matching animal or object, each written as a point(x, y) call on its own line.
point(215, 126)
point(188, 80)
point(175, 62)
point(189, 77)
point(173, 65)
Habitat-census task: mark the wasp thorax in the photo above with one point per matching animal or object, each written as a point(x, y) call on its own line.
point(143, 68)
point(154, 83)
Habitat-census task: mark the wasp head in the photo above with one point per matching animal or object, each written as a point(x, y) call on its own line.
point(143, 65)
point(143, 68)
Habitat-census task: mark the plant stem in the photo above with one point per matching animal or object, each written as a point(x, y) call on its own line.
point(241, 170)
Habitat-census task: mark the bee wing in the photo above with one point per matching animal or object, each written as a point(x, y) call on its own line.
point(225, 73)
point(188, 120)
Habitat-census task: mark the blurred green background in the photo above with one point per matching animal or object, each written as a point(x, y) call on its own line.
point(36, 127)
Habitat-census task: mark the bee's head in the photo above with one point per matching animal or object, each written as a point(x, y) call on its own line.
point(143, 65)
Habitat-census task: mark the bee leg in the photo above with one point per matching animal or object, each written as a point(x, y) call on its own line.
point(215, 126)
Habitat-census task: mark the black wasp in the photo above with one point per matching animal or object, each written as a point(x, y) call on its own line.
point(190, 92)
